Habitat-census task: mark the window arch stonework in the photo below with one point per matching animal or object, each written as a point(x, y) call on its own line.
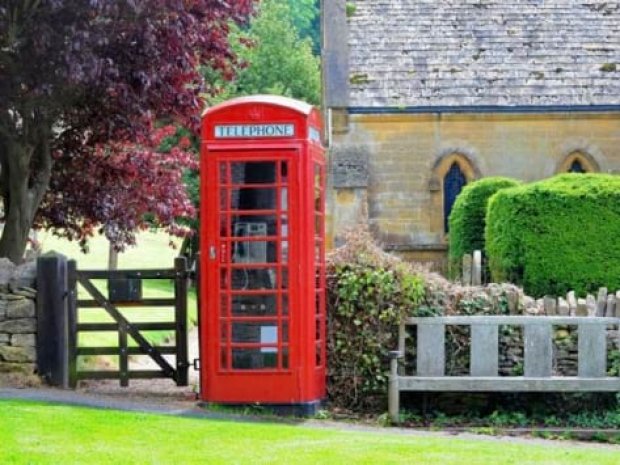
point(578, 159)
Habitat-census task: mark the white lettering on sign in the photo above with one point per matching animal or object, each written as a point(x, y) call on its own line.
point(315, 135)
point(235, 131)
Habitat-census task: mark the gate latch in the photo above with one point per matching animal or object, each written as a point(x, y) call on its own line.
point(196, 364)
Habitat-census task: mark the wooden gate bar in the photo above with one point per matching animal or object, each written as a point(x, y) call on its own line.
point(94, 351)
point(592, 351)
point(103, 327)
point(431, 349)
point(142, 342)
point(89, 303)
point(128, 274)
point(123, 357)
point(484, 350)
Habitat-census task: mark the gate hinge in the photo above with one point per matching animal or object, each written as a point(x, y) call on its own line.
point(196, 364)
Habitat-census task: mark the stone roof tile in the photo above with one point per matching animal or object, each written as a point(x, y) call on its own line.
point(484, 52)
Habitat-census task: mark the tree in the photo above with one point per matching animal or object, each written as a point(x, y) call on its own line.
point(305, 14)
point(279, 61)
point(81, 85)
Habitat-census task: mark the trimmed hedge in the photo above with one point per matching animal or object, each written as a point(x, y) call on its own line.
point(557, 235)
point(467, 220)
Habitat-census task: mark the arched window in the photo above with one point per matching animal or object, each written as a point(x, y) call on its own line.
point(576, 167)
point(451, 171)
point(578, 162)
point(453, 183)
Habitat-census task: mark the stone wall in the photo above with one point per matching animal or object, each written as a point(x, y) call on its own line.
point(18, 324)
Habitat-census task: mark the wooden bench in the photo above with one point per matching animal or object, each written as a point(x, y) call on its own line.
point(484, 357)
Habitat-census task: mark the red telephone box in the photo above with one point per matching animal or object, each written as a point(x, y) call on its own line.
point(263, 248)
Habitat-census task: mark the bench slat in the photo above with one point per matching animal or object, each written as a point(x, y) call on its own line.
point(592, 351)
point(507, 384)
point(538, 350)
point(484, 350)
point(431, 350)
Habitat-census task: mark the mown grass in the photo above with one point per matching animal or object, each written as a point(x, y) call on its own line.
point(35, 433)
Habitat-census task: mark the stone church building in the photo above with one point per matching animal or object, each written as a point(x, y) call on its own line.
point(424, 96)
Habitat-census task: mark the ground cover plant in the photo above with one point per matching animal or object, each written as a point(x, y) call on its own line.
point(34, 433)
point(556, 235)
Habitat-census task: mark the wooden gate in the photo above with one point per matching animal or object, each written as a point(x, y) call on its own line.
point(126, 329)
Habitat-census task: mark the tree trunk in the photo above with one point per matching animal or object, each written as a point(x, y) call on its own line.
point(22, 191)
point(112, 257)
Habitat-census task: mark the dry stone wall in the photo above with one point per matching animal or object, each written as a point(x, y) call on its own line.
point(18, 323)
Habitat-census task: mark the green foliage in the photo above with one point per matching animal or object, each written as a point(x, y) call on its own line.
point(556, 235)
point(467, 220)
point(370, 292)
point(278, 61)
point(351, 8)
point(305, 15)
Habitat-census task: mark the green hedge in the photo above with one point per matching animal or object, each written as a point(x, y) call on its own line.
point(556, 235)
point(467, 220)
point(369, 293)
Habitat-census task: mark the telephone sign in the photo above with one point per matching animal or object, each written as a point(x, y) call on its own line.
point(254, 130)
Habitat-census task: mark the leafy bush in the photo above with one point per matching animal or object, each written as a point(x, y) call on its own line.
point(556, 235)
point(467, 220)
point(370, 292)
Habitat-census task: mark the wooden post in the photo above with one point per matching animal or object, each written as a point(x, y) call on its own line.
point(180, 294)
point(393, 391)
point(618, 304)
point(52, 320)
point(72, 312)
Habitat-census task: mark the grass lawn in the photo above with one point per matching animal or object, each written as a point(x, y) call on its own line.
point(151, 251)
point(39, 434)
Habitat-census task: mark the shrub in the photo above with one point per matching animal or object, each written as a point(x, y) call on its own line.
point(556, 235)
point(369, 293)
point(467, 220)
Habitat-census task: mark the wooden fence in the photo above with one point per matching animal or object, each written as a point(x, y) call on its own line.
point(484, 354)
